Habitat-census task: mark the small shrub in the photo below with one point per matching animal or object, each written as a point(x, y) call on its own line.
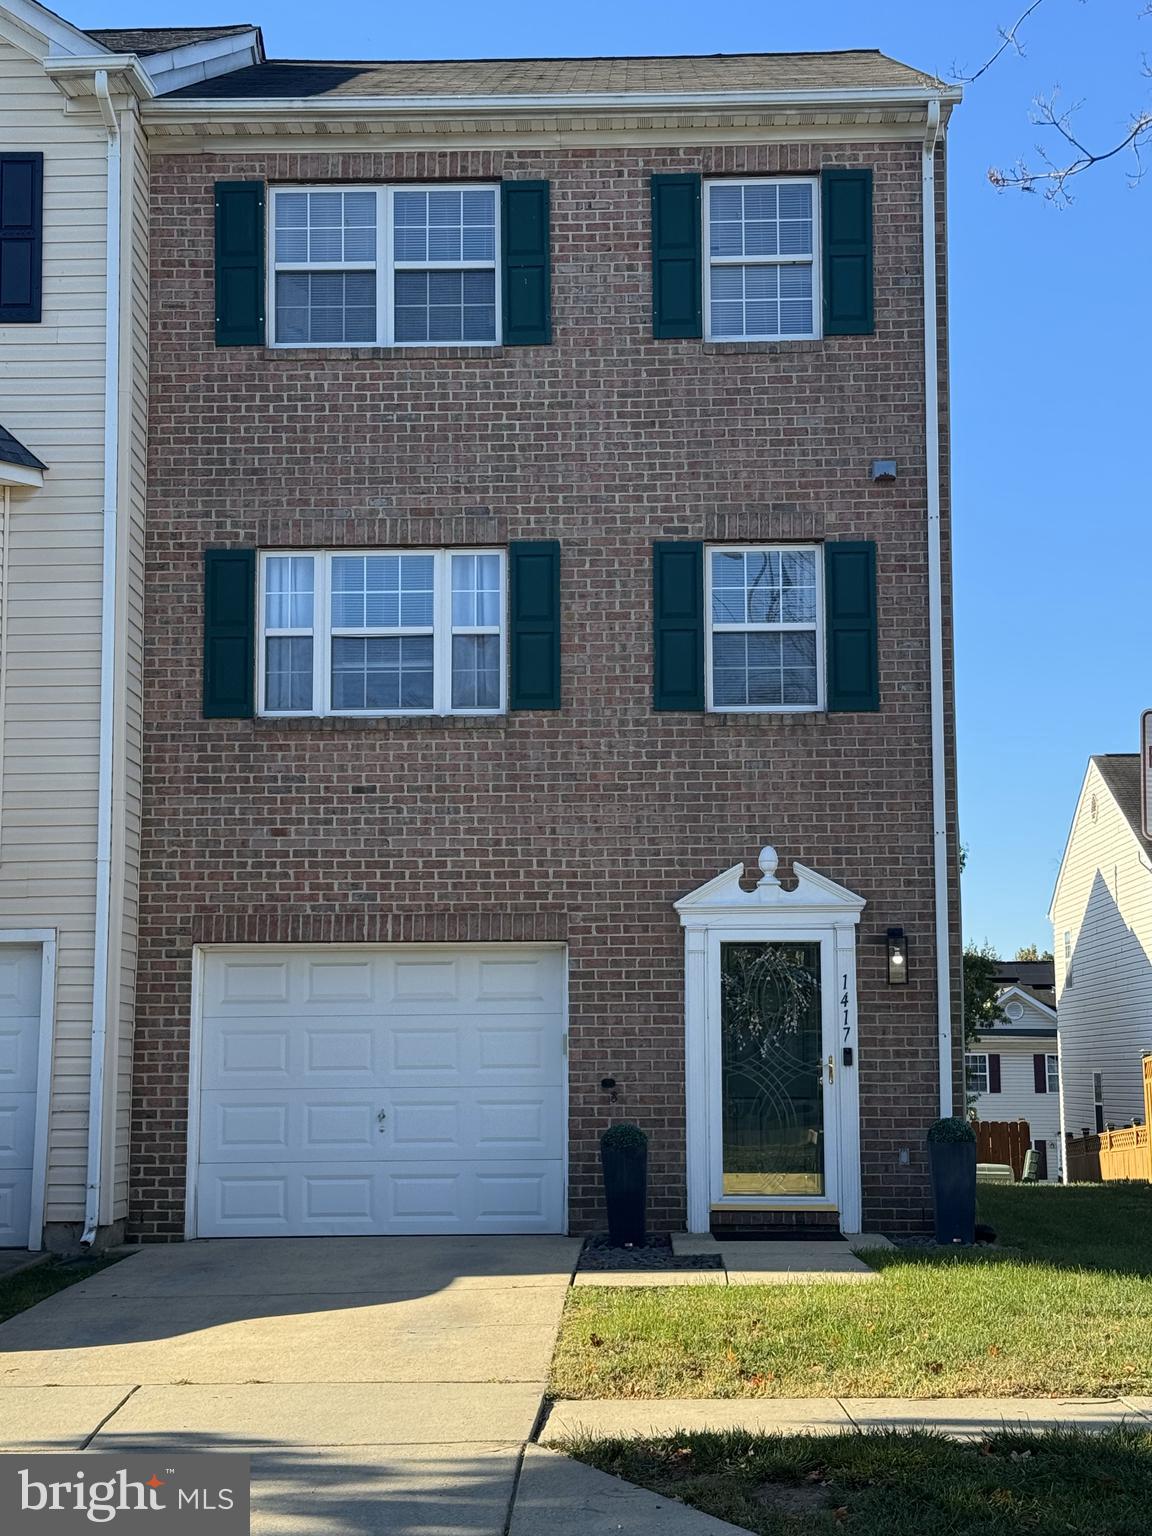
point(952, 1128)
point(624, 1138)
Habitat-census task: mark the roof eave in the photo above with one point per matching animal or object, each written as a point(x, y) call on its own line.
point(868, 98)
point(80, 70)
point(20, 475)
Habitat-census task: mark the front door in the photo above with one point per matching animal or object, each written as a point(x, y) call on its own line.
point(776, 1112)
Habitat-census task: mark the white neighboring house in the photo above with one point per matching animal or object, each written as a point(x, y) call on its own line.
point(1013, 1072)
point(73, 404)
point(1102, 924)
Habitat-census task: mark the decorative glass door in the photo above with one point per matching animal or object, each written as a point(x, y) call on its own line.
point(772, 1071)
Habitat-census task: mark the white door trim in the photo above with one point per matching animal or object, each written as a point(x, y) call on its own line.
point(814, 910)
point(46, 939)
point(201, 952)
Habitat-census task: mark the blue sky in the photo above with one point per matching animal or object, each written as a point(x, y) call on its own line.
point(1051, 345)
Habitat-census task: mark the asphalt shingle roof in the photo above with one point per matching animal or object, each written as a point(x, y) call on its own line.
point(287, 78)
point(1121, 772)
point(13, 451)
point(148, 40)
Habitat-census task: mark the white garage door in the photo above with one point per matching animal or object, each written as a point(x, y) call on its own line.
point(20, 967)
point(409, 1089)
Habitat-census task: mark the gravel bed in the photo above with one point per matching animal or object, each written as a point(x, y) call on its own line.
point(656, 1253)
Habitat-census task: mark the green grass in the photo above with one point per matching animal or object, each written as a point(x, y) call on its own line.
point(1060, 1483)
point(1064, 1309)
point(24, 1289)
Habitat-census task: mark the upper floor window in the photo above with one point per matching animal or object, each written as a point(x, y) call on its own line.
point(763, 638)
point(976, 1072)
point(761, 279)
point(1052, 1073)
point(402, 265)
point(382, 632)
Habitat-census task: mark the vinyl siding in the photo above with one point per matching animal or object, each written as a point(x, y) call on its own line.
point(52, 399)
point(1018, 1099)
point(1104, 898)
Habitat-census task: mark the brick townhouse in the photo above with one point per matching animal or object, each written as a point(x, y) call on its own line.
point(548, 699)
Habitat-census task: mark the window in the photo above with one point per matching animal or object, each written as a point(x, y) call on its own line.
point(1052, 1065)
point(389, 266)
point(1098, 1098)
point(761, 276)
point(1014, 1011)
point(976, 1073)
point(382, 632)
point(763, 633)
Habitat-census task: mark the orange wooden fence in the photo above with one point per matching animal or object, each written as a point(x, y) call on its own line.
point(1125, 1154)
point(1003, 1141)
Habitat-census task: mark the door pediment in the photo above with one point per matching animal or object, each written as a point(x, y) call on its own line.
point(813, 896)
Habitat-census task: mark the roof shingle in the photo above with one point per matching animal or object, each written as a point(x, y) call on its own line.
point(1121, 772)
point(303, 78)
point(149, 40)
point(13, 451)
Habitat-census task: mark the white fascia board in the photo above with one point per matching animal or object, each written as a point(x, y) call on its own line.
point(49, 30)
point(80, 69)
point(1068, 845)
point(20, 474)
point(384, 106)
point(178, 67)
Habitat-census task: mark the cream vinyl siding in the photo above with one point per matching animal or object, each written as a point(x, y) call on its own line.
point(52, 399)
point(1104, 899)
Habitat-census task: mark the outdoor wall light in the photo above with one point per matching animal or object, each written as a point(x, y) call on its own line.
point(897, 958)
point(882, 470)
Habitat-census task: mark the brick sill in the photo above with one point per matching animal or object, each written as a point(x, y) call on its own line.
point(330, 725)
point(763, 719)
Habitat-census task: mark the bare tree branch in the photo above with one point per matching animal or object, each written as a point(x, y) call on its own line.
point(1054, 178)
point(1009, 38)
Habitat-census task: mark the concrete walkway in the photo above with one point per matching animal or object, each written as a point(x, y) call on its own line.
point(963, 1417)
point(759, 1262)
point(381, 1385)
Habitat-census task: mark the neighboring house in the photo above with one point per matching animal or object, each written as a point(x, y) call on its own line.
point(1102, 926)
point(1013, 1067)
point(545, 511)
point(73, 408)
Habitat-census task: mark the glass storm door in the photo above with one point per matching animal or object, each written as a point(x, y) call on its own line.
point(772, 1081)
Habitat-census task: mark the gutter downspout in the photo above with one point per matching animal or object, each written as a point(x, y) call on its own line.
point(936, 614)
point(102, 961)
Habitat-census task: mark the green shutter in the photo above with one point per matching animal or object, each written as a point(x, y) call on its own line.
point(678, 624)
point(850, 603)
point(534, 624)
point(525, 251)
point(846, 241)
point(239, 263)
point(676, 280)
point(229, 634)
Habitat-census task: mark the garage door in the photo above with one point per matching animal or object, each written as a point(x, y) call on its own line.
point(20, 968)
point(407, 1089)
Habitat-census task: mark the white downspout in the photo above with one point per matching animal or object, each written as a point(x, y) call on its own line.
point(102, 961)
point(936, 614)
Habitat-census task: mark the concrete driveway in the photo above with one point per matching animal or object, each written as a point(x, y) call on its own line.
point(380, 1384)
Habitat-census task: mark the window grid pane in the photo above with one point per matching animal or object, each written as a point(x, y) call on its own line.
point(761, 245)
point(288, 674)
point(764, 612)
point(976, 1073)
point(383, 591)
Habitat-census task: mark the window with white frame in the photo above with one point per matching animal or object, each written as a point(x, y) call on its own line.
point(1052, 1066)
point(401, 265)
point(764, 621)
point(382, 632)
point(976, 1072)
point(762, 267)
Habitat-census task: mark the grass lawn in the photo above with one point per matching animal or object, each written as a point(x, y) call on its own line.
point(28, 1286)
point(1060, 1483)
point(1062, 1308)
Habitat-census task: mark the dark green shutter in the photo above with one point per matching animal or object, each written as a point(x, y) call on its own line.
point(534, 624)
point(676, 280)
point(229, 634)
point(852, 647)
point(525, 251)
point(239, 263)
point(678, 624)
point(21, 237)
point(846, 240)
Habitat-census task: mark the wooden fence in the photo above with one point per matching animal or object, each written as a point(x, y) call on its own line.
point(1109, 1154)
point(1003, 1141)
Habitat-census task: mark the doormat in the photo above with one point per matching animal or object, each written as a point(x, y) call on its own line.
point(654, 1253)
point(821, 1234)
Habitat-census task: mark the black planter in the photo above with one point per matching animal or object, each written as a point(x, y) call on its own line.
point(953, 1166)
point(625, 1192)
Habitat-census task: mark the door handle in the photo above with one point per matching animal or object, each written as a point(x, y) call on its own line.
point(831, 1068)
point(381, 1116)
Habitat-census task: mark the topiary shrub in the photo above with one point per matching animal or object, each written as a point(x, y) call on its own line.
point(624, 1138)
point(951, 1129)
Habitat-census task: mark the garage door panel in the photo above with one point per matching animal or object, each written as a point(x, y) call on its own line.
point(17, 1129)
point(15, 1208)
point(462, 1051)
point(20, 981)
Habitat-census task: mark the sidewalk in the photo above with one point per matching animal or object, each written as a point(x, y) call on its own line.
point(964, 1417)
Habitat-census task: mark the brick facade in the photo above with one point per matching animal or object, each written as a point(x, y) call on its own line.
point(583, 825)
